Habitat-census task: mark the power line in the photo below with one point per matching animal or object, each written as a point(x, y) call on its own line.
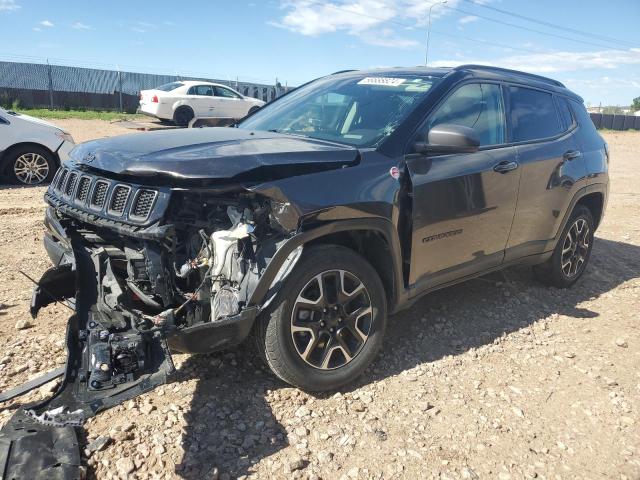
point(408, 25)
point(404, 24)
point(521, 27)
point(552, 25)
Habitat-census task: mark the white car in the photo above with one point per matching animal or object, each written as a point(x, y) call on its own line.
point(182, 101)
point(30, 148)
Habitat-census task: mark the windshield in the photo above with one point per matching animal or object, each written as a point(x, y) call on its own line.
point(167, 87)
point(360, 111)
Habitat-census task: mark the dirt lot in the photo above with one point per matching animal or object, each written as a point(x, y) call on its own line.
point(496, 378)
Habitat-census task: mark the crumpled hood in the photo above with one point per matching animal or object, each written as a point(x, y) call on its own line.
point(210, 156)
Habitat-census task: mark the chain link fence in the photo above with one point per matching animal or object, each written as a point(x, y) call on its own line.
point(37, 85)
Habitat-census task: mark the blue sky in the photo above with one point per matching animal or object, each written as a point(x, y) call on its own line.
point(297, 40)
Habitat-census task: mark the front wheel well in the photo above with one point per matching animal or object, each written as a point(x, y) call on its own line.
point(371, 245)
point(594, 202)
point(4, 166)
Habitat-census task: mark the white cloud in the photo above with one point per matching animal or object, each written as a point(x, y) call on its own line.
point(47, 23)
point(468, 19)
point(143, 27)
point(370, 20)
point(37, 29)
point(9, 6)
point(80, 26)
point(558, 61)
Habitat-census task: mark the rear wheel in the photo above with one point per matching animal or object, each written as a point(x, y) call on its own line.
point(572, 253)
point(31, 165)
point(183, 115)
point(327, 322)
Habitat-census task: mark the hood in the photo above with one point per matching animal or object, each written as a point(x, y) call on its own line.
point(210, 156)
point(29, 118)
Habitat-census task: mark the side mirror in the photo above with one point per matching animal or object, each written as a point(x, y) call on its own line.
point(450, 138)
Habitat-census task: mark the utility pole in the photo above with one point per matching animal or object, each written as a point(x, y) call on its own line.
point(426, 56)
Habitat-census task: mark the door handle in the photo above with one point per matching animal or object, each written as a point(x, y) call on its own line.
point(571, 154)
point(506, 166)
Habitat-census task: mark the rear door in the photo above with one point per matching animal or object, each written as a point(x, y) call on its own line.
point(463, 204)
point(202, 100)
point(552, 164)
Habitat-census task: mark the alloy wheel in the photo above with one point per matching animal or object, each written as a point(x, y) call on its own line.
point(31, 168)
point(331, 319)
point(575, 248)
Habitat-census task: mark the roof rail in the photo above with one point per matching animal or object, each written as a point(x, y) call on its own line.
point(487, 68)
point(344, 71)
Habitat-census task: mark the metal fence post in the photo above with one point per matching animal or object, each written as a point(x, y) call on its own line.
point(120, 88)
point(50, 84)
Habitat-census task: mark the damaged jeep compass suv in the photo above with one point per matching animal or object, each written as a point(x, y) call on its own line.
point(310, 222)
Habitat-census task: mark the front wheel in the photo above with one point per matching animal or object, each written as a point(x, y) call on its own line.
point(31, 165)
point(572, 253)
point(327, 322)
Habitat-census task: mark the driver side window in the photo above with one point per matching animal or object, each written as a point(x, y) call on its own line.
point(475, 105)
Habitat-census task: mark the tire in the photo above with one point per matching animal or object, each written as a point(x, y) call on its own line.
point(572, 253)
point(30, 165)
point(253, 110)
point(183, 115)
point(357, 320)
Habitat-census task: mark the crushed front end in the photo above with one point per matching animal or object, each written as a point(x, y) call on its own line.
point(147, 270)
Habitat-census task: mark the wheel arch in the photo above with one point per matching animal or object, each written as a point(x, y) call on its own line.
point(6, 155)
point(594, 201)
point(374, 239)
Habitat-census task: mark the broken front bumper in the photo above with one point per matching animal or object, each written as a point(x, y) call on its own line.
point(105, 367)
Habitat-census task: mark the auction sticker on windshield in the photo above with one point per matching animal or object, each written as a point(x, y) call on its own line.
point(382, 81)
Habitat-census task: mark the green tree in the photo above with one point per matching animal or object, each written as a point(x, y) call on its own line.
point(635, 106)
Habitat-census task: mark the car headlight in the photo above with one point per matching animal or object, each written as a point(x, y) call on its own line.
point(65, 136)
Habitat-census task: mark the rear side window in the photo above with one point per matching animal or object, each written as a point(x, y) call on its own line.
point(167, 87)
point(582, 116)
point(565, 113)
point(478, 106)
point(533, 114)
point(205, 90)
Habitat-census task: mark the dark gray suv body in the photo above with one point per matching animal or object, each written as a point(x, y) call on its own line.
point(334, 206)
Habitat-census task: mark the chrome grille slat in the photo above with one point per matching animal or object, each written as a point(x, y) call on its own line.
point(61, 179)
point(143, 204)
point(99, 195)
point(70, 185)
point(119, 198)
point(83, 189)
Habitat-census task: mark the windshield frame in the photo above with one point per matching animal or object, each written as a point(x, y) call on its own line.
point(428, 76)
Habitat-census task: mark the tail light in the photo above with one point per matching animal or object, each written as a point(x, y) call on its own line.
point(155, 99)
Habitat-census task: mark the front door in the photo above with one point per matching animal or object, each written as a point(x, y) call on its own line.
point(230, 105)
point(463, 204)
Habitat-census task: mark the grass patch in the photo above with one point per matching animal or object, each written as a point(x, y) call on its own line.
point(79, 114)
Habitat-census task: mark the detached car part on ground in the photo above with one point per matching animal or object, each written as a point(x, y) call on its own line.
point(30, 148)
point(338, 204)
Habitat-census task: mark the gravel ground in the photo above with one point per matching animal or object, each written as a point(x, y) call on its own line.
point(497, 378)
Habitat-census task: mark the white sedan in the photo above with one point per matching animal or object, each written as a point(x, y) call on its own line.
point(182, 101)
point(30, 148)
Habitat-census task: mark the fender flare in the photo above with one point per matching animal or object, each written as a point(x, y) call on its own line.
point(583, 192)
point(264, 290)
